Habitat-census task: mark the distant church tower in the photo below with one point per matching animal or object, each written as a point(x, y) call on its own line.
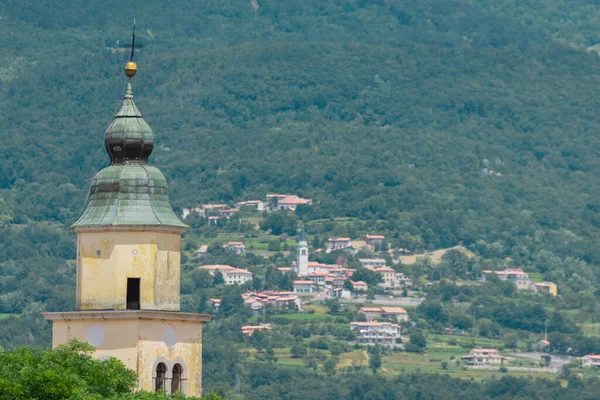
point(128, 266)
point(302, 254)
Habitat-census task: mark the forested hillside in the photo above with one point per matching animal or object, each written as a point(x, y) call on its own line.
point(453, 121)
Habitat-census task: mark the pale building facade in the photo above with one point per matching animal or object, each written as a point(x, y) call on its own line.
point(231, 275)
point(388, 275)
point(235, 247)
point(522, 281)
point(128, 268)
point(237, 276)
point(371, 263)
point(485, 357)
point(590, 360)
point(336, 243)
point(376, 332)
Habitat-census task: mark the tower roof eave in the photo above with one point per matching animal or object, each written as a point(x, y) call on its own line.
point(129, 195)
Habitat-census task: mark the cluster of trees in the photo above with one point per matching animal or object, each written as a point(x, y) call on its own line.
point(496, 309)
point(69, 373)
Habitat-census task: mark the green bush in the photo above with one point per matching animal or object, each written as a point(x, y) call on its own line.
point(411, 348)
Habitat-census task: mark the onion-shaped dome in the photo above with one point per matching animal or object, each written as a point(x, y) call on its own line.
point(129, 191)
point(128, 139)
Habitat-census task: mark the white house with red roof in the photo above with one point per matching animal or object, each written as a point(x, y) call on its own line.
point(397, 314)
point(359, 286)
point(235, 247)
point(389, 277)
point(202, 251)
point(285, 201)
point(277, 299)
point(215, 304)
point(292, 202)
point(485, 357)
point(376, 332)
point(249, 330)
point(515, 275)
point(543, 345)
point(335, 243)
point(373, 241)
point(317, 277)
point(228, 212)
point(212, 268)
point(590, 360)
point(237, 276)
point(231, 275)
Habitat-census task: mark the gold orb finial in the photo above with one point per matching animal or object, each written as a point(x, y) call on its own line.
point(130, 69)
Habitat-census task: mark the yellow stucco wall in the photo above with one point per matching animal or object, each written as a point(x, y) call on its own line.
point(106, 259)
point(120, 338)
point(187, 350)
point(140, 344)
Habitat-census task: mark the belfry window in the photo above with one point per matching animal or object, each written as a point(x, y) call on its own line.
point(176, 379)
point(161, 373)
point(133, 293)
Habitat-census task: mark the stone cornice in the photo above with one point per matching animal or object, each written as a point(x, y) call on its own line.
point(127, 314)
point(130, 228)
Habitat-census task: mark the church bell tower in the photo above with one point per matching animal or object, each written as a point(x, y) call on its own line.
point(128, 266)
point(302, 254)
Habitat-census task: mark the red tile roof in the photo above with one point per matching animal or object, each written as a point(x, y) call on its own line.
point(383, 269)
point(239, 271)
point(217, 266)
point(293, 199)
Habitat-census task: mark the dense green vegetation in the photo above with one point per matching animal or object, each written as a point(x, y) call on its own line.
point(395, 112)
point(434, 122)
point(68, 373)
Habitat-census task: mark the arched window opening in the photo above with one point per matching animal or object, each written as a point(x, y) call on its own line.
point(176, 379)
point(161, 372)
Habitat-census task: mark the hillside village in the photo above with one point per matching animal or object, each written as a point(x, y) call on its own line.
point(379, 291)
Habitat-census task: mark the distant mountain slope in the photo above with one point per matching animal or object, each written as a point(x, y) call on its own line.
point(454, 121)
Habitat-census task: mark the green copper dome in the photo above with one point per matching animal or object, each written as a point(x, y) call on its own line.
point(129, 191)
point(128, 138)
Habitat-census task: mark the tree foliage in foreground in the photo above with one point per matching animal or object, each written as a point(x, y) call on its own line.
point(68, 373)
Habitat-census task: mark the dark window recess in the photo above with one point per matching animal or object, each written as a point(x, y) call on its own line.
point(176, 379)
point(161, 372)
point(133, 293)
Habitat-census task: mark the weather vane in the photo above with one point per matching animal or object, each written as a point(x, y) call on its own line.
point(131, 67)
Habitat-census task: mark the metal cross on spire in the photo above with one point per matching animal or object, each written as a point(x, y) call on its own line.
point(132, 41)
